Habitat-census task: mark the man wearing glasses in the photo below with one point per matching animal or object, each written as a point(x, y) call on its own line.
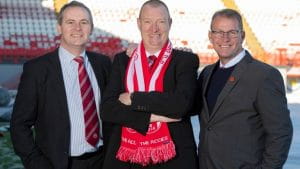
point(245, 122)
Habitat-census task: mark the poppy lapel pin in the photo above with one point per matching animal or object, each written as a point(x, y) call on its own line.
point(231, 79)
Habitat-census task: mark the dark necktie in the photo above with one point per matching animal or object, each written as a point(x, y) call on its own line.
point(91, 120)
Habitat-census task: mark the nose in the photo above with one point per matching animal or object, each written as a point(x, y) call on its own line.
point(77, 26)
point(155, 27)
point(225, 36)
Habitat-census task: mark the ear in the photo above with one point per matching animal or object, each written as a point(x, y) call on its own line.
point(58, 28)
point(92, 30)
point(170, 20)
point(243, 35)
point(138, 21)
point(210, 36)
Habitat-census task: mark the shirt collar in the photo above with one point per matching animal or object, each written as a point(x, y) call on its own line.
point(68, 57)
point(234, 60)
point(155, 54)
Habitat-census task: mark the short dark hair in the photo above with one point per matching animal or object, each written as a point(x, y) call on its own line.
point(155, 3)
point(74, 4)
point(229, 13)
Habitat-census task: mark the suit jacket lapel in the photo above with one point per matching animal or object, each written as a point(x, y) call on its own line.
point(232, 81)
point(98, 71)
point(58, 82)
point(205, 87)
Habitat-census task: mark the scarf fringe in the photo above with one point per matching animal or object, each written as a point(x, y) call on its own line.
point(147, 155)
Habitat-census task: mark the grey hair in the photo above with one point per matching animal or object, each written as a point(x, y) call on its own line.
point(229, 13)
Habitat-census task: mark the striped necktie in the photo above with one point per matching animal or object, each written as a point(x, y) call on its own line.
point(92, 127)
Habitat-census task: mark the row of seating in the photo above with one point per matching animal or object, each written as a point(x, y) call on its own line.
point(276, 26)
point(40, 44)
point(30, 24)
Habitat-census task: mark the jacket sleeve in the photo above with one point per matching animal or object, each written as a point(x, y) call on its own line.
point(112, 109)
point(23, 120)
point(175, 103)
point(272, 105)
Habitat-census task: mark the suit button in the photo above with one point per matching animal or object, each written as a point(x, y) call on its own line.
point(209, 128)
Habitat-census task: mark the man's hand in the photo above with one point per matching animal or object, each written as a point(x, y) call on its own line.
point(125, 98)
point(131, 48)
point(158, 118)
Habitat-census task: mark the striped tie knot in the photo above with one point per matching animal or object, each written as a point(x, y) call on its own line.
point(151, 60)
point(79, 59)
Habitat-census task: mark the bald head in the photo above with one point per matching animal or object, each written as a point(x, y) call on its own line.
point(155, 3)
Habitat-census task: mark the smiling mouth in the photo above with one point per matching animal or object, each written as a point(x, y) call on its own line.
point(224, 46)
point(155, 35)
point(76, 35)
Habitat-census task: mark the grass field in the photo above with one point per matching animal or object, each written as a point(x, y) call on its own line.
point(8, 159)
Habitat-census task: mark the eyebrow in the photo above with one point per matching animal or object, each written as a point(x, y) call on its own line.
point(79, 20)
point(218, 30)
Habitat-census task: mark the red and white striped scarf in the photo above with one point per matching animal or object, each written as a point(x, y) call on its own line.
point(157, 145)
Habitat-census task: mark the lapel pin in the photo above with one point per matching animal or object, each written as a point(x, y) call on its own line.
point(231, 79)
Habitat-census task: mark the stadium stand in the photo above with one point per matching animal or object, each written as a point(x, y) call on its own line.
point(277, 28)
point(27, 28)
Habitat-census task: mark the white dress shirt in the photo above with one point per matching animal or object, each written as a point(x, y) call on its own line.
point(155, 54)
point(234, 60)
point(78, 143)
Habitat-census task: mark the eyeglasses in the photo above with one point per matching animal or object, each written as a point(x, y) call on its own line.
point(230, 34)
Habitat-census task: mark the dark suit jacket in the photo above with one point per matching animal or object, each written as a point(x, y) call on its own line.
point(175, 102)
point(41, 103)
point(250, 126)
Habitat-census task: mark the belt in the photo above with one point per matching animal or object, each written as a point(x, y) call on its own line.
point(88, 155)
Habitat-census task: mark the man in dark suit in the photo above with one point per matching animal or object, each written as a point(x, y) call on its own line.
point(245, 122)
point(148, 101)
point(52, 98)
